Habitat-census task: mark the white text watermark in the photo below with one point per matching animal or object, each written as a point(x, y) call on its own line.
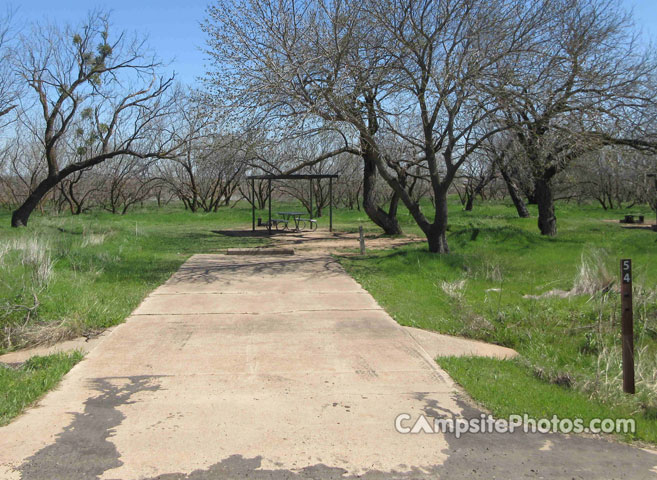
point(407, 424)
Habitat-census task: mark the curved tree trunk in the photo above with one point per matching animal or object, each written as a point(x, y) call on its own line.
point(547, 221)
point(387, 221)
point(514, 193)
point(22, 214)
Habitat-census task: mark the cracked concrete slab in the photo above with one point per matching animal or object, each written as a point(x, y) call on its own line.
point(225, 372)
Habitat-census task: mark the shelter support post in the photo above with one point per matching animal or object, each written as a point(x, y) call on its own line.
point(253, 200)
point(330, 204)
point(269, 191)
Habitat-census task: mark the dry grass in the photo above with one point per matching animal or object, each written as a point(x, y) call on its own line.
point(27, 265)
point(35, 255)
point(34, 335)
point(455, 289)
point(604, 341)
point(593, 275)
point(93, 239)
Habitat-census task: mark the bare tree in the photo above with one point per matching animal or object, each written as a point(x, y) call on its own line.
point(349, 184)
point(9, 86)
point(503, 153)
point(210, 164)
point(448, 63)
point(79, 190)
point(127, 180)
point(24, 168)
point(106, 86)
point(477, 174)
point(582, 83)
point(615, 177)
point(311, 60)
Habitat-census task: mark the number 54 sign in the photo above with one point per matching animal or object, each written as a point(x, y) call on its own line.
point(626, 271)
point(627, 326)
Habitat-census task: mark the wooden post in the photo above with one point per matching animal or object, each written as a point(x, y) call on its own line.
point(627, 326)
point(331, 204)
point(362, 240)
point(269, 223)
point(253, 205)
point(311, 198)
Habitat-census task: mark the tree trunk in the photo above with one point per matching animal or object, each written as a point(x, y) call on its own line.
point(437, 232)
point(547, 221)
point(469, 202)
point(22, 214)
point(387, 221)
point(514, 193)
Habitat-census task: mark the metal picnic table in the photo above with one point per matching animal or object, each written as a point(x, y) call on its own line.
point(294, 216)
point(299, 223)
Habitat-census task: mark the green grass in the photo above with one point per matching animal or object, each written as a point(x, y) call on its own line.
point(103, 265)
point(21, 387)
point(506, 387)
point(480, 291)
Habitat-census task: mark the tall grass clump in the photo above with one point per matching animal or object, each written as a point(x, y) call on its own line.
point(593, 275)
point(26, 271)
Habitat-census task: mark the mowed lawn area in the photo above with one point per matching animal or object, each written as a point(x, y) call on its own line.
point(65, 276)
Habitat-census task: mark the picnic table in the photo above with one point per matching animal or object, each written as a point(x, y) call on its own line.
point(296, 217)
point(633, 218)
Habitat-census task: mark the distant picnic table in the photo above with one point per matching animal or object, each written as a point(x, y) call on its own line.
point(296, 217)
point(633, 218)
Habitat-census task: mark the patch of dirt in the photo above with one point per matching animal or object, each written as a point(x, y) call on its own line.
point(646, 225)
point(553, 293)
point(323, 241)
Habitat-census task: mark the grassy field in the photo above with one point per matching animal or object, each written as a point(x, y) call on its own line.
point(65, 276)
point(554, 300)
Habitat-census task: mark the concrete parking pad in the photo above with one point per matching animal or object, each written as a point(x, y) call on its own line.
point(276, 368)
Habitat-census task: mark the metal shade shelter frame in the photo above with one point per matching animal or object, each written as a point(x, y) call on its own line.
point(272, 177)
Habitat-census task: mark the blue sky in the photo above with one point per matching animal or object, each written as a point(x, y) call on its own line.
point(173, 27)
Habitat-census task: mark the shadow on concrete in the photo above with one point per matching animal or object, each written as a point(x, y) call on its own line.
point(83, 450)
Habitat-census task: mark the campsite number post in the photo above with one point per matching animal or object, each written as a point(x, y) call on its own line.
point(627, 327)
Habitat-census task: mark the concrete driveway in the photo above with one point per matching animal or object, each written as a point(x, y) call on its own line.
point(273, 368)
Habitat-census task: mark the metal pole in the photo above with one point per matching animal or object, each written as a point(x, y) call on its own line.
point(627, 327)
point(311, 198)
point(330, 204)
point(253, 205)
point(269, 222)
